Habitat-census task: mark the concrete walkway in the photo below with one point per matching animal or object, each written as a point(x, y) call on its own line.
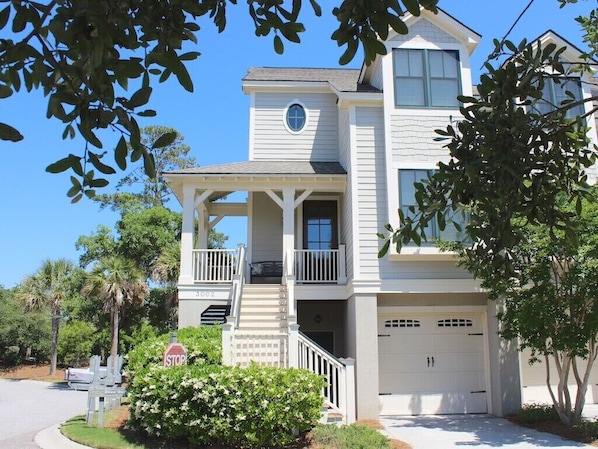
point(475, 431)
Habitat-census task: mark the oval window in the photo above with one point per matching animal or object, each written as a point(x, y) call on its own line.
point(296, 117)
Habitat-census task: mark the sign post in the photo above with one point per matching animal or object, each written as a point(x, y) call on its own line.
point(175, 354)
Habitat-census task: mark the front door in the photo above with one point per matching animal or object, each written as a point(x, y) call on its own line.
point(320, 225)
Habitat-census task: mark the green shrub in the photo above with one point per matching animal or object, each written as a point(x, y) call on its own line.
point(534, 413)
point(203, 345)
point(355, 436)
point(75, 341)
point(251, 407)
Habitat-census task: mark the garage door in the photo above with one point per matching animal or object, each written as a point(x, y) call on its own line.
point(431, 364)
point(533, 380)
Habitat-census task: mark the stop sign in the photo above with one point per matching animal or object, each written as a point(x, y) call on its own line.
point(175, 354)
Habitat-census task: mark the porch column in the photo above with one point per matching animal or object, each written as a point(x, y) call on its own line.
point(186, 275)
point(203, 227)
point(362, 345)
point(288, 226)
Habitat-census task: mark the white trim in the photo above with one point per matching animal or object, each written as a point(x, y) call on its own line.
point(353, 172)
point(393, 310)
point(285, 112)
point(251, 154)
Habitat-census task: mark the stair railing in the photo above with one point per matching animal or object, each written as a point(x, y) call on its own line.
point(339, 391)
point(237, 287)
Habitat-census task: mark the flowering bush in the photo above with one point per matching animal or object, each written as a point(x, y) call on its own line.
point(249, 407)
point(203, 345)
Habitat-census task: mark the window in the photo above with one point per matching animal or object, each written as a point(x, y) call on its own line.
point(426, 78)
point(295, 117)
point(407, 177)
point(557, 91)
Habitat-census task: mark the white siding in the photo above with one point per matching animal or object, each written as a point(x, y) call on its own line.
point(412, 138)
point(369, 178)
point(318, 141)
point(266, 228)
point(378, 77)
point(427, 31)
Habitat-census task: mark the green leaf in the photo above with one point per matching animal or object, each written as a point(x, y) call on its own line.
point(316, 7)
point(88, 135)
point(412, 6)
point(147, 113)
point(278, 45)
point(140, 97)
point(4, 15)
point(63, 164)
point(384, 249)
point(164, 140)
point(149, 164)
point(120, 153)
point(95, 160)
point(7, 132)
point(5, 91)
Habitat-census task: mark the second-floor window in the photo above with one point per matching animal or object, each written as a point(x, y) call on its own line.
point(426, 78)
point(557, 91)
point(407, 177)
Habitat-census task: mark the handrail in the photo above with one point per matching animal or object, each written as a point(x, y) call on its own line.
point(320, 266)
point(238, 281)
point(316, 359)
point(214, 265)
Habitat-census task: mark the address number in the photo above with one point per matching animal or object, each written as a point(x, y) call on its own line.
point(205, 294)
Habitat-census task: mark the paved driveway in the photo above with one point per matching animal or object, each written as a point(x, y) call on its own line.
point(27, 406)
point(470, 431)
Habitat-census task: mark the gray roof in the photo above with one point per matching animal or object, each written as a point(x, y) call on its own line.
point(267, 168)
point(344, 80)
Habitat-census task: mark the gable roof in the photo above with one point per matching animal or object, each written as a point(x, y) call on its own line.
point(343, 80)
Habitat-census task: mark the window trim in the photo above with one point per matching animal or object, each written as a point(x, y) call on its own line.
point(285, 117)
point(427, 78)
point(551, 103)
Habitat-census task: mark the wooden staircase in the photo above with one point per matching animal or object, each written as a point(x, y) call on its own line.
point(263, 309)
point(262, 333)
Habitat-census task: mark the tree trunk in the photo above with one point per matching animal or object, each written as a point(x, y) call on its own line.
point(54, 349)
point(114, 321)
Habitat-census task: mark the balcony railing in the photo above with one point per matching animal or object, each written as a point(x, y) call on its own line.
point(319, 266)
point(214, 265)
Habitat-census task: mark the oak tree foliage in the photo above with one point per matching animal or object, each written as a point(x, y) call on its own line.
point(98, 62)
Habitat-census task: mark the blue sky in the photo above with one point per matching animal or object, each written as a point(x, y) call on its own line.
point(37, 220)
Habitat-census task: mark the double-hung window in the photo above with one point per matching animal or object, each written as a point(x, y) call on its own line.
point(557, 91)
point(426, 78)
point(407, 178)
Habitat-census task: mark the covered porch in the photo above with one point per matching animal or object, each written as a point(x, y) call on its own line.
point(293, 230)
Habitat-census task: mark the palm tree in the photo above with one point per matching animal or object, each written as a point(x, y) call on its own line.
point(115, 281)
point(49, 286)
point(166, 271)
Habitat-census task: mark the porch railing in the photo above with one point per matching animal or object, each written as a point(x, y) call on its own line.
point(320, 266)
point(214, 265)
point(339, 390)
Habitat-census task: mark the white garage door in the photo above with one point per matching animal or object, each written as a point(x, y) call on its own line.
point(533, 380)
point(431, 364)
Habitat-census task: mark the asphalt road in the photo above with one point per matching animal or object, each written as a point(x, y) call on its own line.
point(28, 406)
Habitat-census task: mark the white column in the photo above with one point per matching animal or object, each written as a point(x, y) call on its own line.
point(349, 391)
point(203, 227)
point(362, 333)
point(293, 345)
point(186, 274)
point(288, 226)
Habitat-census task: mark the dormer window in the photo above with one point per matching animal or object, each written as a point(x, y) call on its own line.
point(559, 90)
point(295, 117)
point(426, 78)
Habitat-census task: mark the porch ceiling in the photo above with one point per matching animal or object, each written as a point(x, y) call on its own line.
point(255, 176)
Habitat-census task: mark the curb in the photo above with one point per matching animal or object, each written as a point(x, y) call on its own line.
point(51, 438)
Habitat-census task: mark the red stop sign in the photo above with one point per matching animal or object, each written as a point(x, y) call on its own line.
point(175, 354)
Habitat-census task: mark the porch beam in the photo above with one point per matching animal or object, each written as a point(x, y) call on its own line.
point(215, 221)
point(228, 209)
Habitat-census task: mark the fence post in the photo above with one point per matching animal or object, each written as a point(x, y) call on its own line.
point(342, 264)
point(293, 345)
point(349, 390)
point(227, 340)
